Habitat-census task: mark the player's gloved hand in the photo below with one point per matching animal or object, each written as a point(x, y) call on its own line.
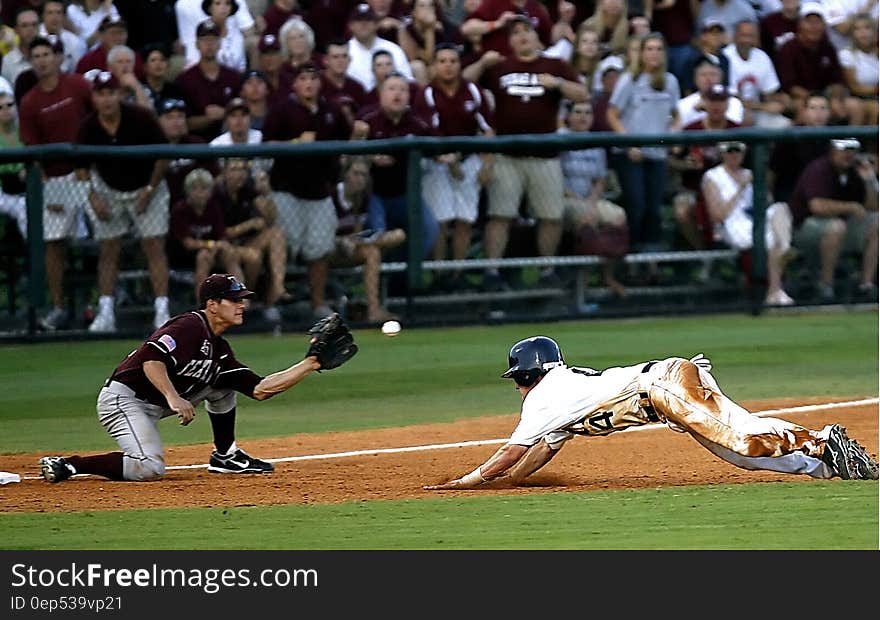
point(702, 362)
point(331, 342)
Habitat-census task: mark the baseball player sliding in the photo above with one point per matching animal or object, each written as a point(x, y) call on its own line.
point(185, 362)
point(561, 401)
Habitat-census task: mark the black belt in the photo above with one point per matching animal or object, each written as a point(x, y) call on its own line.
point(645, 401)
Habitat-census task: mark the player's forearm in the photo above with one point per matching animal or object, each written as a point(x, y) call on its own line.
point(283, 380)
point(537, 456)
point(504, 458)
point(157, 374)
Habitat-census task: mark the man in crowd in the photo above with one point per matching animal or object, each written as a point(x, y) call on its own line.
point(271, 65)
point(53, 23)
point(336, 86)
point(364, 42)
point(114, 31)
point(27, 23)
point(492, 20)
point(172, 120)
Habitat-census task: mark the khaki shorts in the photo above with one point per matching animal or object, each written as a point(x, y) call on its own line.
point(153, 222)
point(579, 211)
point(450, 198)
point(67, 196)
point(810, 233)
point(309, 225)
point(539, 178)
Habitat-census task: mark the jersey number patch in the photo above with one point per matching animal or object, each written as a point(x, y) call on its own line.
point(601, 421)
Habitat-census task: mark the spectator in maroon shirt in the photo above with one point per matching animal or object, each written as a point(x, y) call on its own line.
point(393, 118)
point(329, 20)
point(809, 63)
point(278, 12)
point(451, 186)
point(198, 239)
point(297, 44)
point(336, 86)
point(779, 27)
point(834, 205)
point(127, 195)
point(271, 65)
point(255, 93)
point(383, 66)
point(50, 112)
point(114, 31)
point(609, 70)
point(303, 185)
point(492, 19)
point(208, 86)
point(172, 120)
point(528, 89)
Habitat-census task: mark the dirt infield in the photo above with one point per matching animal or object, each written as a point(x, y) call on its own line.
point(643, 459)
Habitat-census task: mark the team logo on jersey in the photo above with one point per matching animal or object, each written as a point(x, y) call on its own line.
point(523, 85)
point(206, 348)
point(168, 341)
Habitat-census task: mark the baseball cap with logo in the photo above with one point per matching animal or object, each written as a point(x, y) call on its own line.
point(717, 92)
point(223, 286)
point(170, 105)
point(237, 104)
point(104, 79)
point(207, 28)
point(112, 22)
point(711, 22)
point(269, 43)
point(363, 11)
point(610, 63)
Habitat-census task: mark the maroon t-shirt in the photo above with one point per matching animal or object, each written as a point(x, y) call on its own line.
point(522, 105)
point(329, 20)
point(97, 59)
point(676, 23)
point(309, 178)
point(186, 223)
point(813, 69)
point(278, 93)
point(48, 117)
point(238, 209)
point(820, 180)
point(350, 95)
point(776, 31)
point(417, 102)
point(137, 126)
point(194, 357)
point(464, 113)
point(498, 40)
point(199, 92)
point(275, 18)
point(390, 181)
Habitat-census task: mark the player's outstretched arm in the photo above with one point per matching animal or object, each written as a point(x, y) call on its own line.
point(537, 456)
point(504, 458)
point(283, 380)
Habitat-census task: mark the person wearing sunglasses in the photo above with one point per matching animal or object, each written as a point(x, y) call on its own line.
point(728, 191)
point(182, 364)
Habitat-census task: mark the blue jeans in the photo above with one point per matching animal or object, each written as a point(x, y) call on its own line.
point(391, 212)
point(642, 184)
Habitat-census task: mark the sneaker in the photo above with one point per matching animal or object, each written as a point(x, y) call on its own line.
point(56, 468)
point(238, 463)
point(161, 318)
point(861, 465)
point(779, 298)
point(272, 314)
point(834, 454)
point(103, 324)
point(55, 319)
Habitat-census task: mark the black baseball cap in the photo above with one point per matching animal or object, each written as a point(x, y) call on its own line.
point(207, 28)
point(237, 104)
point(223, 286)
point(169, 105)
point(104, 79)
point(112, 22)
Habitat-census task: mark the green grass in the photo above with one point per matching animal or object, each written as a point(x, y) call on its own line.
point(48, 391)
point(792, 516)
point(47, 404)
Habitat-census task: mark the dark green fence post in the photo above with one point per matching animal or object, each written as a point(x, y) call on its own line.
point(416, 226)
point(35, 246)
point(759, 214)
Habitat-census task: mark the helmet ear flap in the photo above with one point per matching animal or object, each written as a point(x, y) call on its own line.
point(526, 378)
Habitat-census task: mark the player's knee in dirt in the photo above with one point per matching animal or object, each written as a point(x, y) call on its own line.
point(142, 470)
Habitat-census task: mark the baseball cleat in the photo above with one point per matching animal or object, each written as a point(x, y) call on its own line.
point(835, 453)
point(861, 465)
point(56, 468)
point(238, 463)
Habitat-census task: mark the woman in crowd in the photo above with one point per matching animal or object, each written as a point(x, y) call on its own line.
point(297, 44)
point(157, 87)
point(611, 23)
point(586, 56)
point(860, 65)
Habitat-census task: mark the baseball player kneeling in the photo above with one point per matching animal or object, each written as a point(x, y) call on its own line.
point(182, 364)
point(561, 401)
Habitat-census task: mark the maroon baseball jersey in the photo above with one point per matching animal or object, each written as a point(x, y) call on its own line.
point(310, 178)
point(813, 69)
point(199, 92)
point(522, 105)
point(498, 40)
point(54, 116)
point(137, 126)
point(97, 59)
point(820, 180)
point(350, 95)
point(390, 181)
point(464, 113)
point(194, 357)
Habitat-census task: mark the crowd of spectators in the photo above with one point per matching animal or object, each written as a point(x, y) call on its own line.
point(225, 72)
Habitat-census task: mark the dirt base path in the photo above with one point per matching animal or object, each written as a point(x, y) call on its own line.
point(643, 459)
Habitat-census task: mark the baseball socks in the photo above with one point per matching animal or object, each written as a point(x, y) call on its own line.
point(223, 425)
point(107, 465)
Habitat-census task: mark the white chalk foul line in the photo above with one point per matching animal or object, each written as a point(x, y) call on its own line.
point(489, 442)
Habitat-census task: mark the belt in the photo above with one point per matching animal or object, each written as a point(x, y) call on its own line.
point(121, 389)
point(645, 400)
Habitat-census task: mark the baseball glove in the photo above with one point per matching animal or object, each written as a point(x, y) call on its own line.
point(331, 342)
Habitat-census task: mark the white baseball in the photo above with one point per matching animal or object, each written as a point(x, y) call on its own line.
point(390, 328)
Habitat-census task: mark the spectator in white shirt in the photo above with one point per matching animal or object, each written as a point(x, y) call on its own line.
point(86, 15)
point(692, 107)
point(53, 23)
point(239, 131)
point(364, 25)
point(860, 67)
point(190, 13)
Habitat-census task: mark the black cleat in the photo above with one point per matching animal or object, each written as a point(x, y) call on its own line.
point(847, 457)
point(238, 463)
point(56, 468)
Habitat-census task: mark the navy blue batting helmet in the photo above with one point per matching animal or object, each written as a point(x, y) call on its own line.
point(532, 358)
